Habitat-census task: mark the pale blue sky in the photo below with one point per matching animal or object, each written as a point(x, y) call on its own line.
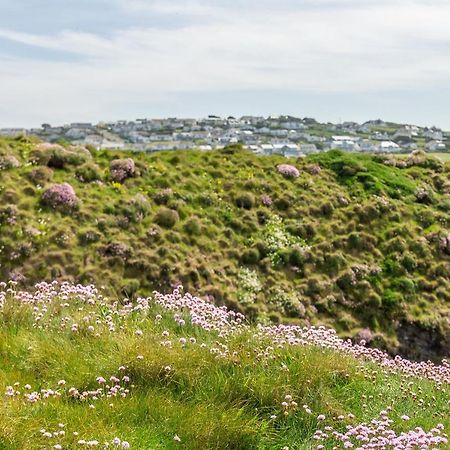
point(92, 60)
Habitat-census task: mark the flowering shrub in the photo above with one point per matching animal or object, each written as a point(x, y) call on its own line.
point(8, 215)
point(61, 197)
point(162, 196)
point(8, 162)
point(266, 200)
point(249, 286)
point(315, 169)
point(121, 169)
point(364, 336)
point(288, 171)
point(444, 244)
point(40, 175)
point(277, 239)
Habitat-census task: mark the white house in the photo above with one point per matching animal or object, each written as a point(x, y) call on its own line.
point(389, 146)
point(307, 148)
point(435, 135)
point(435, 146)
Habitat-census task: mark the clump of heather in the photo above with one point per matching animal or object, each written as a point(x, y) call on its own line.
point(266, 200)
point(288, 171)
point(364, 336)
point(9, 162)
point(315, 169)
point(121, 169)
point(60, 197)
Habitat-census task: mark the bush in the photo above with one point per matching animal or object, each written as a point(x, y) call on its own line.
point(58, 157)
point(250, 256)
point(167, 218)
point(283, 203)
point(137, 208)
point(9, 162)
point(88, 237)
point(444, 244)
point(314, 169)
point(192, 226)
point(88, 173)
point(121, 169)
point(163, 196)
point(391, 300)
point(288, 171)
point(245, 200)
point(60, 197)
point(40, 175)
point(266, 200)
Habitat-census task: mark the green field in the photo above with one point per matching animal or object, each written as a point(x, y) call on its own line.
point(441, 156)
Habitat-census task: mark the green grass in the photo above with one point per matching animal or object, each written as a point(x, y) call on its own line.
point(441, 156)
point(359, 213)
point(209, 402)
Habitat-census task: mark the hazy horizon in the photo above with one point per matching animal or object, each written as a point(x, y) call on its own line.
point(334, 60)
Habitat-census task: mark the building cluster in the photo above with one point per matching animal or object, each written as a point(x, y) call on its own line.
point(286, 135)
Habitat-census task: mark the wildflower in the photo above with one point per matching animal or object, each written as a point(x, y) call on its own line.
point(61, 197)
point(288, 171)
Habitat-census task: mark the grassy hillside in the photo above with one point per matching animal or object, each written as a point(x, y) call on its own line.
point(174, 372)
point(357, 242)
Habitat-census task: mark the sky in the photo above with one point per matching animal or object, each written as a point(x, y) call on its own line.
point(65, 61)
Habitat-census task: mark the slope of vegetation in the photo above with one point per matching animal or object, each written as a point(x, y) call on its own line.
point(175, 372)
point(357, 242)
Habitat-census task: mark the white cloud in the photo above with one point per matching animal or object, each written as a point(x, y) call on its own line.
point(313, 45)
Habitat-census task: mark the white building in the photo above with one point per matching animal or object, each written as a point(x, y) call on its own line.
point(389, 146)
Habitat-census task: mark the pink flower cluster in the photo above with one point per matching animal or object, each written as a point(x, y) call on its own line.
point(61, 197)
point(379, 434)
point(205, 315)
point(288, 171)
point(200, 312)
point(121, 169)
point(266, 200)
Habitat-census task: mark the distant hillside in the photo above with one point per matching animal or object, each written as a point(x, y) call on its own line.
point(357, 242)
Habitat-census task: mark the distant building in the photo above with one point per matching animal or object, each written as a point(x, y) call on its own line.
point(13, 132)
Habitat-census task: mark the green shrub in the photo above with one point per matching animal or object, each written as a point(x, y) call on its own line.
point(40, 175)
point(245, 200)
point(162, 196)
point(166, 218)
point(88, 172)
point(192, 226)
point(59, 157)
point(391, 300)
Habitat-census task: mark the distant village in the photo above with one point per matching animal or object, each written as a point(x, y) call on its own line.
point(286, 135)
